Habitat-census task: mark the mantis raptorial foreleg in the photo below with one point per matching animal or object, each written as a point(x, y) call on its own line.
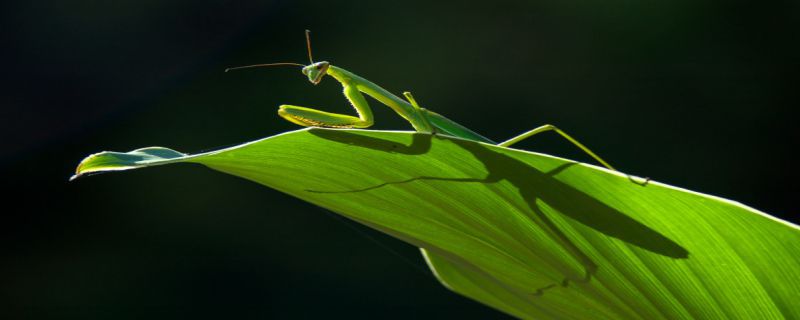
point(312, 117)
point(550, 127)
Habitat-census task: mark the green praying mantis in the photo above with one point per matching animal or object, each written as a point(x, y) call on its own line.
point(423, 120)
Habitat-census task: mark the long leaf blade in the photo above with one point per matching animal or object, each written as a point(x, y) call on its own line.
point(529, 234)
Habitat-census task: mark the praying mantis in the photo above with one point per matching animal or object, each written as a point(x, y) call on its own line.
point(421, 119)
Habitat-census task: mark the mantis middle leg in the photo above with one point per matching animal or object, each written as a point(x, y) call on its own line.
point(422, 111)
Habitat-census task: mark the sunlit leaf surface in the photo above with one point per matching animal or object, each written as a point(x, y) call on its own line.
point(529, 234)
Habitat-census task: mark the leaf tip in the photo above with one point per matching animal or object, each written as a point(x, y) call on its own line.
point(89, 164)
point(117, 161)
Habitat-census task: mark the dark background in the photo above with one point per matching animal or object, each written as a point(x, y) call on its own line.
point(699, 94)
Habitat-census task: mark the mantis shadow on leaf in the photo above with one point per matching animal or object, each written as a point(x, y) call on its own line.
point(533, 185)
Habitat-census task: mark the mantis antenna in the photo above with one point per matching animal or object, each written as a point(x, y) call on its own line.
point(308, 45)
point(266, 65)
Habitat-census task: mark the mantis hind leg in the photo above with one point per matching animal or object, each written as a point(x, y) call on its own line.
point(550, 127)
point(315, 118)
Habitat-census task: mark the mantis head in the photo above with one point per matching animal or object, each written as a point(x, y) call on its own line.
point(316, 71)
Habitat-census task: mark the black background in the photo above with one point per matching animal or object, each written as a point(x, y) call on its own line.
point(698, 94)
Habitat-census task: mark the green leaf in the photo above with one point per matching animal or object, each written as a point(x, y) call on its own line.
point(529, 234)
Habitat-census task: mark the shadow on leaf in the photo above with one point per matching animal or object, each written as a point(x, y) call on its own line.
point(533, 185)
